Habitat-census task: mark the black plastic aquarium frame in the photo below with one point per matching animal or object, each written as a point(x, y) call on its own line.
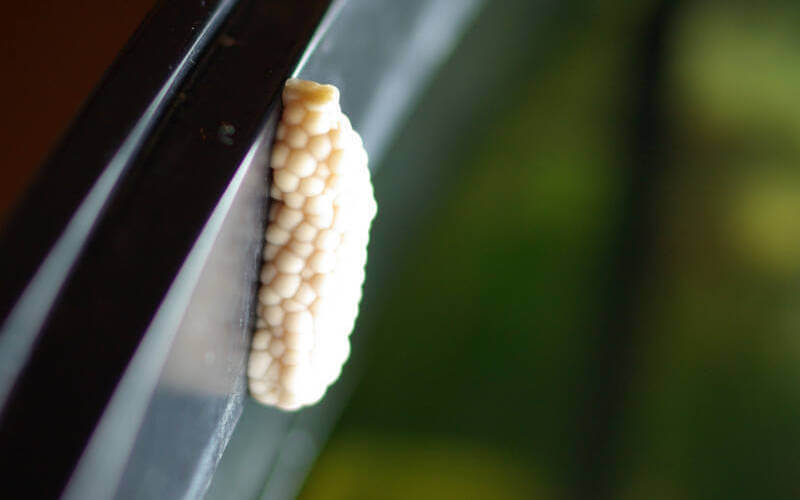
point(90, 253)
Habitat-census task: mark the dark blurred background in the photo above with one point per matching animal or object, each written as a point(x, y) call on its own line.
point(53, 53)
point(584, 272)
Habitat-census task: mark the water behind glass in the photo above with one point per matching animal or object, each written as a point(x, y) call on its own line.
point(602, 300)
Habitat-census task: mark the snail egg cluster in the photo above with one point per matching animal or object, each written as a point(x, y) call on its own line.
point(321, 208)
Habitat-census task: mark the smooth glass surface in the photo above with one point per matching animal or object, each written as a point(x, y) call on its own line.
point(381, 54)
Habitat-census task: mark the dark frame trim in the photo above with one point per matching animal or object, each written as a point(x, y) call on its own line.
point(189, 135)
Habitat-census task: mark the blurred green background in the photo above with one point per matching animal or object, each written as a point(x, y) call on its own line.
point(594, 284)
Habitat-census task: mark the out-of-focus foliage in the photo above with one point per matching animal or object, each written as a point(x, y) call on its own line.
point(716, 408)
point(399, 469)
point(475, 360)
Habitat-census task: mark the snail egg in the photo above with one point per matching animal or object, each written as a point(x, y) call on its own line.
point(321, 209)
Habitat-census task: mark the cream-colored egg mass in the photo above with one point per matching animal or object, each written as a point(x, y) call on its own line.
point(321, 209)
